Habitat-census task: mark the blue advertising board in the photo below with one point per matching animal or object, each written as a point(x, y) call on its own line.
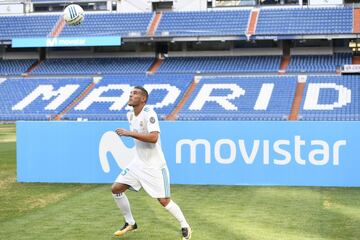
point(65, 42)
point(202, 152)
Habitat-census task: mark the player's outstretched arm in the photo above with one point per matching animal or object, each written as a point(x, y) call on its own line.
point(144, 137)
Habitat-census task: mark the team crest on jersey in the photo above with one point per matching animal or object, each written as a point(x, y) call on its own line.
point(141, 123)
point(152, 120)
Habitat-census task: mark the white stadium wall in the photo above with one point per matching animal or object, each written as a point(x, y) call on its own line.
point(190, 5)
point(6, 8)
point(326, 2)
point(146, 5)
point(134, 6)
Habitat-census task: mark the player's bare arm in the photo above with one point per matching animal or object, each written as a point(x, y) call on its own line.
point(144, 137)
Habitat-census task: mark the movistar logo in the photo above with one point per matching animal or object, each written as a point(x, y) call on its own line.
point(316, 152)
point(110, 142)
point(53, 42)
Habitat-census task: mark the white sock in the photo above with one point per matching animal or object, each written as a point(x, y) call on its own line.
point(175, 210)
point(123, 203)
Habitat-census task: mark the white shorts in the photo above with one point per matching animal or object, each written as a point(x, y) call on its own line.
point(156, 182)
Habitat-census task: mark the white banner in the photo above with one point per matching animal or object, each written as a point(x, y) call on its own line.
point(11, 8)
point(326, 2)
point(353, 68)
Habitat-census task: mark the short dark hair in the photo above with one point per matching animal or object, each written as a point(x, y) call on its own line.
point(143, 91)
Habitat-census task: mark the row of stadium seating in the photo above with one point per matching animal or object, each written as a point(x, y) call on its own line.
point(220, 64)
point(305, 21)
point(325, 63)
point(210, 23)
point(14, 91)
point(94, 65)
point(214, 97)
point(15, 67)
point(110, 24)
point(285, 21)
point(26, 26)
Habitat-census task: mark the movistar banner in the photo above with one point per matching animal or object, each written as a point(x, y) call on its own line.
point(66, 42)
point(230, 153)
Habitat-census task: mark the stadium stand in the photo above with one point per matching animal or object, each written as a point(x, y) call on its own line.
point(106, 101)
point(321, 20)
point(210, 23)
point(245, 101)
point(93, 66)
point(326, 63)
point(110, 24)
point(217, 96)
point(332, 20)
point(220, 64)
point(333, 102)
point(214, 98)
point(37, 99)
point(15, 67)
point(26, 26)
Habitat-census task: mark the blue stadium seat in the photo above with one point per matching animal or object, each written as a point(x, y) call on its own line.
point(26, 26)
point(94, 66)
point(285, 21)
point(110, 24)
point(316, 63)
point(209, 23)
point(314, 20)
point(111, 89)
point(14, 91)
point(220, 64)
point(242, 107)
point(15, 67)
point(325, 108)
point(257, 97)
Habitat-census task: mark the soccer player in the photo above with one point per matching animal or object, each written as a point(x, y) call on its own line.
point(148, 168)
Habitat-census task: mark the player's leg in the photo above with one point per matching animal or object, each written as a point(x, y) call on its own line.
point(175, 210)
point(125, 181)
point(156, 182)
point(118, 190)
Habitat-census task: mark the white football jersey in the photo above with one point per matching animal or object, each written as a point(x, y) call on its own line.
point(146, 122)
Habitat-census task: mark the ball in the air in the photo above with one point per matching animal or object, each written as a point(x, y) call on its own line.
point(73, 14)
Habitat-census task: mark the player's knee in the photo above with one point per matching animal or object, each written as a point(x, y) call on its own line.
point(117, 188)
point(164, 201)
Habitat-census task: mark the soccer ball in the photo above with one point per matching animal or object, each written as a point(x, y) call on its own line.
point(73, 14)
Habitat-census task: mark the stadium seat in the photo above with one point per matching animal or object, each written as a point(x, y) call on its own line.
point(26, 26)
point(330, 106)
point(15, 67)
point(316, 63)
point(314, 20)
point(220, 64)
point(37, 99)
point(201, 23)
point(94, 66)
point(110, 24)
point(102, 106)
point(245, 102)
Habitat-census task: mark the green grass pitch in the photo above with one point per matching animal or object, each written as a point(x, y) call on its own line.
point(77, 211)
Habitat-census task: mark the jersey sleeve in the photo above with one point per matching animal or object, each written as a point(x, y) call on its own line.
point(152, 122)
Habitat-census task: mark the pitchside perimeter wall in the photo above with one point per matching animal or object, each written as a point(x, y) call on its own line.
point(216, 152)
